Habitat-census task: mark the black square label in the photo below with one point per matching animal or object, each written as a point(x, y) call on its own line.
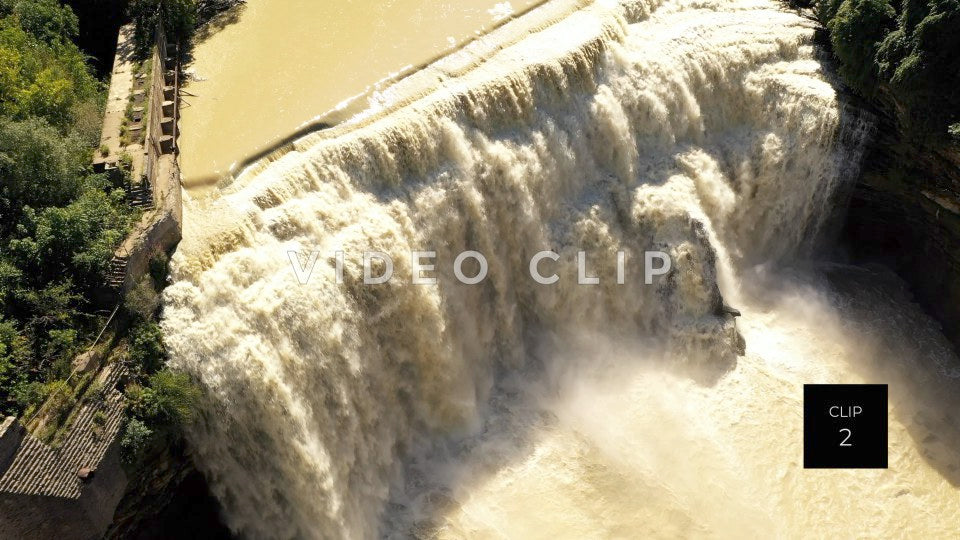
point(845, 426)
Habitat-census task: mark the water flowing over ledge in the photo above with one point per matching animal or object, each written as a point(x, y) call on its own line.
point(704, 129)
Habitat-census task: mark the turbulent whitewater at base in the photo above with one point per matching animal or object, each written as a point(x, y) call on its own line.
point(509, 409)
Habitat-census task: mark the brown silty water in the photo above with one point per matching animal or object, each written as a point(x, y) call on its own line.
point(509, 409)
point(277, 64)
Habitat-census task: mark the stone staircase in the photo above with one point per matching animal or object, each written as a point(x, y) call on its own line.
point(40, 469)
point(117, 273)
point(140, 195)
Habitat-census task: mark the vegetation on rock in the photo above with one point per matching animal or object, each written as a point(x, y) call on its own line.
point(906, 52)
point(160, 401)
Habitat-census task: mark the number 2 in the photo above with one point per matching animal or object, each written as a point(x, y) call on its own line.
point(847, 438)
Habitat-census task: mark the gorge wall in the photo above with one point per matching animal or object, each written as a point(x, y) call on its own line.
point(905, 213)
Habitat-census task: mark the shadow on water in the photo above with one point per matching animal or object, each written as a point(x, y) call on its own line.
point(903, 347)
point(218, 17)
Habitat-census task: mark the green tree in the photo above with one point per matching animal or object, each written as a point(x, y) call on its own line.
point(77, 239)
point(39, 77)
point(48, 20)
point(855, 33)
point(39, 167)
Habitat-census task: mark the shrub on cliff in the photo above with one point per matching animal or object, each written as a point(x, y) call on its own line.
point(134, 441)
point(161, 399)
point(143, 301)
point(142, 304)
point(170, 399)
point(157, 411)
point(147, 354)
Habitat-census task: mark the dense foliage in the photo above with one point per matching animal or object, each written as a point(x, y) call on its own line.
point(179, 18)
point(160, 401)
point(60, 225)
point(910, 49)
point(59, 222)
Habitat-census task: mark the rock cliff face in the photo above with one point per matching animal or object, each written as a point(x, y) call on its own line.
point(168, 498)
point(905, 212)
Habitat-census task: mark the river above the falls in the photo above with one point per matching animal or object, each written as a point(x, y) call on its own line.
point(249, 85)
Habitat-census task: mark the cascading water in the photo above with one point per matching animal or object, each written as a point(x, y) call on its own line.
point(509, 409)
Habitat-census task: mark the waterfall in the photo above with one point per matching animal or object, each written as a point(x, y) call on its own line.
point(705, 129)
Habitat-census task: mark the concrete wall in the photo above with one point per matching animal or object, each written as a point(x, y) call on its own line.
point(11, 434)
point(42, 494)
point(160, 230)
point(102, 495)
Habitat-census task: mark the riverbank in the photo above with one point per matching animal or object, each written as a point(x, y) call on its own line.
point(896, 62)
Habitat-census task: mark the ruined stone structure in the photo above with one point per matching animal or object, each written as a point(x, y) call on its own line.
point(66, 490)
